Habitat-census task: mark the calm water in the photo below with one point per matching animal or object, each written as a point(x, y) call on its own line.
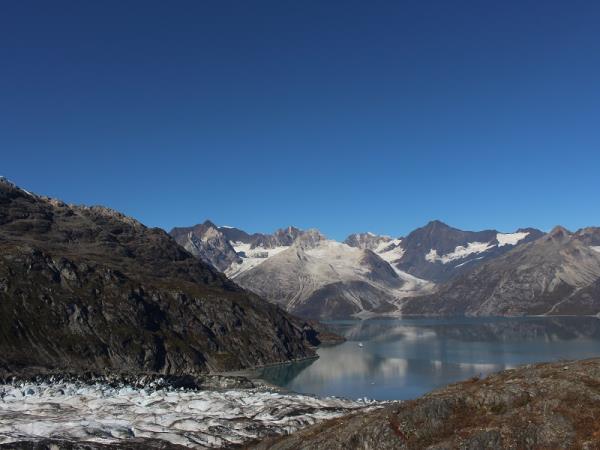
point(404, 358)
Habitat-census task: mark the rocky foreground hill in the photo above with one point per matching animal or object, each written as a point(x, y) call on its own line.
point(543, 406)
point(87, 288)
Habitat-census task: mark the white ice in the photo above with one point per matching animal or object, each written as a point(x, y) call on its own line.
point(201, 419)
point(459, 252)
point(253, 257)
point(510, 238)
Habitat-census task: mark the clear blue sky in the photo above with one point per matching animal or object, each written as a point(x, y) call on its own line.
point(342, 115)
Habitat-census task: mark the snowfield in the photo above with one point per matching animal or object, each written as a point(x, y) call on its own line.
point(510, 238)
point(390, 251)
point(473, 248)
point(200, 419)
point(253, 257)
point(459, 252)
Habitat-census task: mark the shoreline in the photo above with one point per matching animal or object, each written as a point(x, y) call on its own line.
point(249, 372)
point(439, 316)
point(235, 379)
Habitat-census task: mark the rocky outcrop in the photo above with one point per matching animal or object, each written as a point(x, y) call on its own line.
point(539, 406)
point(87, 288)
point(208, 243)
point(283, 237)
point(556, 274)
point(368, 241)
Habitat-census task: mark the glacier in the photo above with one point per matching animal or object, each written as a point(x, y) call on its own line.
point(103, 413)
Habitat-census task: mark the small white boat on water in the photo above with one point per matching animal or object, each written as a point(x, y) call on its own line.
point(360, 344)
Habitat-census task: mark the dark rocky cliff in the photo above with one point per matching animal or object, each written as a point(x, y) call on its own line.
point(87, 288)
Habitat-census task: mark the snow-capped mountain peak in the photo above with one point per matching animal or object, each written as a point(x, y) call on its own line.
point(366, 240)
point(366, 274)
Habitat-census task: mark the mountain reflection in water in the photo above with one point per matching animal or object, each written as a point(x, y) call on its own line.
point(404, 358)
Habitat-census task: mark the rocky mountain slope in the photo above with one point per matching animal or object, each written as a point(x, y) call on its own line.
point(87, 288)
point(207, 243)
point(556, 274)
point(231, 250)
point(553, 405)
point(437, 252)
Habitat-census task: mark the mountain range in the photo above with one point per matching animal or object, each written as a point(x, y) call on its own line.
point(194, 298)
point(558, 273)
point(434, 270)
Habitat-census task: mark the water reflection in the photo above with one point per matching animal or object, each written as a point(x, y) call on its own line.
point(286, 373)
point(405, 358)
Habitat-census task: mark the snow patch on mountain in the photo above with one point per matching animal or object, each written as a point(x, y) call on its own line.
point(390, 251)
point(463, 251)
point(332, 261)
point(250, 257)
point(459, 252)
point(469, 261)
point(510, 238)
point(347, 263)
point(596, 248)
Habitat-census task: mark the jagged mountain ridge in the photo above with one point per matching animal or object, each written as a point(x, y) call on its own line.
point(317, 277)
point(87, 288)
point(231, 250)
point(558, 273)
point(306, 273)
point(438, 252)
point(282, 268)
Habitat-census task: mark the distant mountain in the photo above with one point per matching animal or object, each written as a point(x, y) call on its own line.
point(316, 277)
point(368, 241)
point(254, 249)
point(231, 250)
point(385, 247)
point(87, 288)
point(206, 242)
point(438, 252)
point(283, 237)
point(558, 273)
point(436, 269)
point(303, 271)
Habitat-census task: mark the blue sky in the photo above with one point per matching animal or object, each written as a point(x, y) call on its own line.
point(341, 115)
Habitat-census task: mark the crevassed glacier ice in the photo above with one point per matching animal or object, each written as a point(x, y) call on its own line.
point(101, 413)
